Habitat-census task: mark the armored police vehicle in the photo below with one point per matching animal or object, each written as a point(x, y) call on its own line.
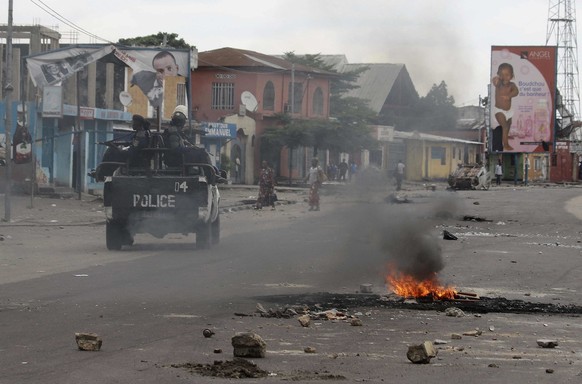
point(158, 184)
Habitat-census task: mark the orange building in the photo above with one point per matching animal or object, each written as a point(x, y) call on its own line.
point(249, 89)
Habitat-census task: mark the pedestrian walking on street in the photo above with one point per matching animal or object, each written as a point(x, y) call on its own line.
point(266, 187)
point(498, 172)
point(353, 170)
point(343, 169)
point(315, 177)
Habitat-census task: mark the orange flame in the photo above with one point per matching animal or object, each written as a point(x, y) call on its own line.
point(407, 286)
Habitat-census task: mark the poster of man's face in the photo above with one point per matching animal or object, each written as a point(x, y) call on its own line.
point(55, 72)
point(164, 63)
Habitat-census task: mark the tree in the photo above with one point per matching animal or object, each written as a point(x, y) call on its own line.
point(289, 133)
point(434, 112)
point(349, 129)
point(161, 39)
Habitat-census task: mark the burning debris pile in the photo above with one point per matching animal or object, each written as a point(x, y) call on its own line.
point(414, 260)
point(408, 286)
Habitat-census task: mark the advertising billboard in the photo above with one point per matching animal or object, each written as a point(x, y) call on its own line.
point(149, 66)
point(523, 96)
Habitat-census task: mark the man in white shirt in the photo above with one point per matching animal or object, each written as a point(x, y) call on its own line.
point(498, 172)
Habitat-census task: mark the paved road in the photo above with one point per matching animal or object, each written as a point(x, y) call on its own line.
point(150, 302)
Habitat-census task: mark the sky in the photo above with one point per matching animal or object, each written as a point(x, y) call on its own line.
point(437, 40)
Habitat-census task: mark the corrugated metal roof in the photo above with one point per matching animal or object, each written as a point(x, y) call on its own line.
point(428, 137)
point(241, 58)
point(374, 84)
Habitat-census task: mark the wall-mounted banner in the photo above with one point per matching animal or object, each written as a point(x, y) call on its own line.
point(52, 105)
point(523, 92)
point(149, 65)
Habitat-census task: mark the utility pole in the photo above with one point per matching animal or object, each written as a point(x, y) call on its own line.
point(562, 30)
point(8, 88)
point(292, 89)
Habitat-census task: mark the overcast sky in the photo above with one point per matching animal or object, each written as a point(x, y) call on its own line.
point(437, 40)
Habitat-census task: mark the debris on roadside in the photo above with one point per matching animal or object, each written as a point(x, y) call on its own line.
point(235, 369)
point(248, 344)
point(394, 198)
point(208, 333)
point(475, 218)
point(356, 323)
point(421, 354)
point(547, 343)
point(309, 350)
point(456, 336)
point(474, 333)
point(285, 313)
point(449, 236)
point(304, 320)
point(366, 288)
point(88, 341)
point(454, 312)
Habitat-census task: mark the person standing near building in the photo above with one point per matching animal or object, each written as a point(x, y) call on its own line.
point(315, 178)
point(498, 172)
point(399, 174)
point(266, 186)
point(353, 170)
point(343, 169)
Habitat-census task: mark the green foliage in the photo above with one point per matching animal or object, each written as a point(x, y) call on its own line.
point(349, 129)
point(339, 85)
point(156, 40)
point(434, 112)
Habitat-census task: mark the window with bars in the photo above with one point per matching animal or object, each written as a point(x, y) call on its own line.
point(269, 96)
point(297, 97)
point(222, 96)
point(318, 102)
point(181, 94)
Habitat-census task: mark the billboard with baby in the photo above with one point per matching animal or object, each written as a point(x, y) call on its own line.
point(523, 95)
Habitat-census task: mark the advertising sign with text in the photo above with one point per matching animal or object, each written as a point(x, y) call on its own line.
point(523, 93)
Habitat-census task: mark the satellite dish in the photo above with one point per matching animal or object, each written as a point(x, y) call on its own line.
point(125, 98)
point(249, 101)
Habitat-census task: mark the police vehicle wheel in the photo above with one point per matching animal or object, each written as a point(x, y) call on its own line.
point(113, 236)
point(203, 236)
point(215, 230)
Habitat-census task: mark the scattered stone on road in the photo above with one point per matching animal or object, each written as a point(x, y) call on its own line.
point(548, 343)
point(454, 312)
point(304, 320)
point(88, 341)
point(248, 344)
point(421, 354)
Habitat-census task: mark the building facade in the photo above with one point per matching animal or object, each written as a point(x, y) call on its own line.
point(251, 89)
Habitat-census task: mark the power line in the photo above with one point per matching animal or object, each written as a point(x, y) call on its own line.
point(58, 16)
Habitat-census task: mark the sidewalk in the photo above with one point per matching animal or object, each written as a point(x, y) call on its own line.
point(46, 211)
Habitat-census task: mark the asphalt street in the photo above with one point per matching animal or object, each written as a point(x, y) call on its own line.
point(150, 302)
